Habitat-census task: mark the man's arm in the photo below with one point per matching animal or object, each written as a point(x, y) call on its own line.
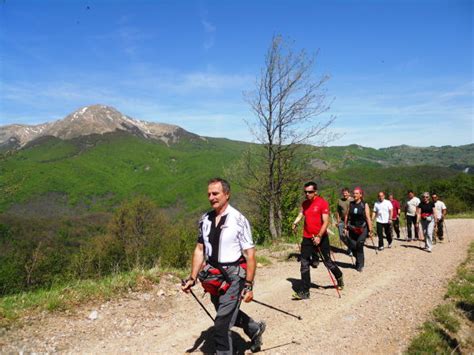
point(298, 219)
point(322, 231)
point(251, 267)
point(196, 265)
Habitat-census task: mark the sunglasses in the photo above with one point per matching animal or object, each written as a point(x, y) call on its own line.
point(309, 192)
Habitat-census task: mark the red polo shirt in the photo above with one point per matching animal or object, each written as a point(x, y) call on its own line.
point(396, 207)
point(313, 211)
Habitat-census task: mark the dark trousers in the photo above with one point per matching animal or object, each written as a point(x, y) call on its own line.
point(356, 244)
point(439, 226)
point(396, 227)
point(229, 315)
point(381, 228)
point(411, 221)
point(308, 252)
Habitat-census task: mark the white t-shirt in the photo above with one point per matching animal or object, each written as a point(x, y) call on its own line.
point(439, 207)
point(412, 205)
point(383, 210)
point(233, 236)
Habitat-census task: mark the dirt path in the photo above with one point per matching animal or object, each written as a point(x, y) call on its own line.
point(379, 311)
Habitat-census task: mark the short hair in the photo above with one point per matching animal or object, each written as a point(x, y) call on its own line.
point(225, 184)
point(311, 183)
point(410, 191)
point(426, 194)
point(344, 189)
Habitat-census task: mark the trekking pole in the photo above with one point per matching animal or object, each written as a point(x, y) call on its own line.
point(277, 309)
point(372, 240)
point(446, 227)
point(329, 272)
point(197, 300)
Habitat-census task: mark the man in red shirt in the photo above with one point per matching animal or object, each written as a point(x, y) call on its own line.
point(315, 211)
point(395, 215)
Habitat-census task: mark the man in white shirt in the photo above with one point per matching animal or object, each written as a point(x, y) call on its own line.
point(410, 213)
point(441, 211)
point(226, 249)
point(383, 214)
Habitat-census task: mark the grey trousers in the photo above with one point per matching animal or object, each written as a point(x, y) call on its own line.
point(427, 226)
point(228, 315)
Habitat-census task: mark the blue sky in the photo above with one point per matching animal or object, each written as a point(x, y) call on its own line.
point(401, 71)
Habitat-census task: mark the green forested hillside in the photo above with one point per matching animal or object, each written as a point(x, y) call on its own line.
point(98, 172)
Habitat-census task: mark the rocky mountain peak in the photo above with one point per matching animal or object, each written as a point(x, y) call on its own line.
point(94, 119)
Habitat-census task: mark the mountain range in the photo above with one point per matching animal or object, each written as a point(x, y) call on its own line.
point(96, 157)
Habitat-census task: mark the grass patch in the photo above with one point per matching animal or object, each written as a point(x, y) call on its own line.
point(263, 260)
point(443, 334)
point(67, 296)
point(467, 214)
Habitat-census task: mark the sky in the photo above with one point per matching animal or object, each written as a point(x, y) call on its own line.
point(401, 72)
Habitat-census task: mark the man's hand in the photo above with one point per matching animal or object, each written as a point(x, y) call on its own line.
point(316, 240)
point(293, 227)
point(187, 284)
point(247, 295)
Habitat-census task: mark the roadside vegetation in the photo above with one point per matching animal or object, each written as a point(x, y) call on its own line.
point(451, 329)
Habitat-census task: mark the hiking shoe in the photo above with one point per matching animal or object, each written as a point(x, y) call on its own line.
point(380, 248)
point(340, 283)
point(256, 342)
point(390, 245)
point(409, 239)
point(360, 268)
point(300, 295)
point(349, 252)
point(314, 263)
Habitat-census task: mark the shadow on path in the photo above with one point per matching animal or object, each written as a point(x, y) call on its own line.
point(205, 343)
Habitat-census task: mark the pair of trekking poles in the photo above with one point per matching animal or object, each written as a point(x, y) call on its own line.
point(240, 300)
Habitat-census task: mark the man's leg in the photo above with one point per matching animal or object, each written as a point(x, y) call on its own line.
point(396, 227)
point(440, 229)
point(409, 225)
point(325, 249)
point(417, 230)
point(227, 308)
point(306, 253)
point(342, 237)
point(380, 234)
point(388, 233)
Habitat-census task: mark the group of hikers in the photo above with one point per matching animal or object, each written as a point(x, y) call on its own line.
point(224, 258)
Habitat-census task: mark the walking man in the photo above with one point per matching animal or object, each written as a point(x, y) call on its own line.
point(341, 211)
point(224, 261)
point(383, 214)
point(315, 211)
point(441, 211)
point(410, 213)
point(395, 215)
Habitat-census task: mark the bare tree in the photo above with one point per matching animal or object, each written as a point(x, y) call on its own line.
point(287, 103)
